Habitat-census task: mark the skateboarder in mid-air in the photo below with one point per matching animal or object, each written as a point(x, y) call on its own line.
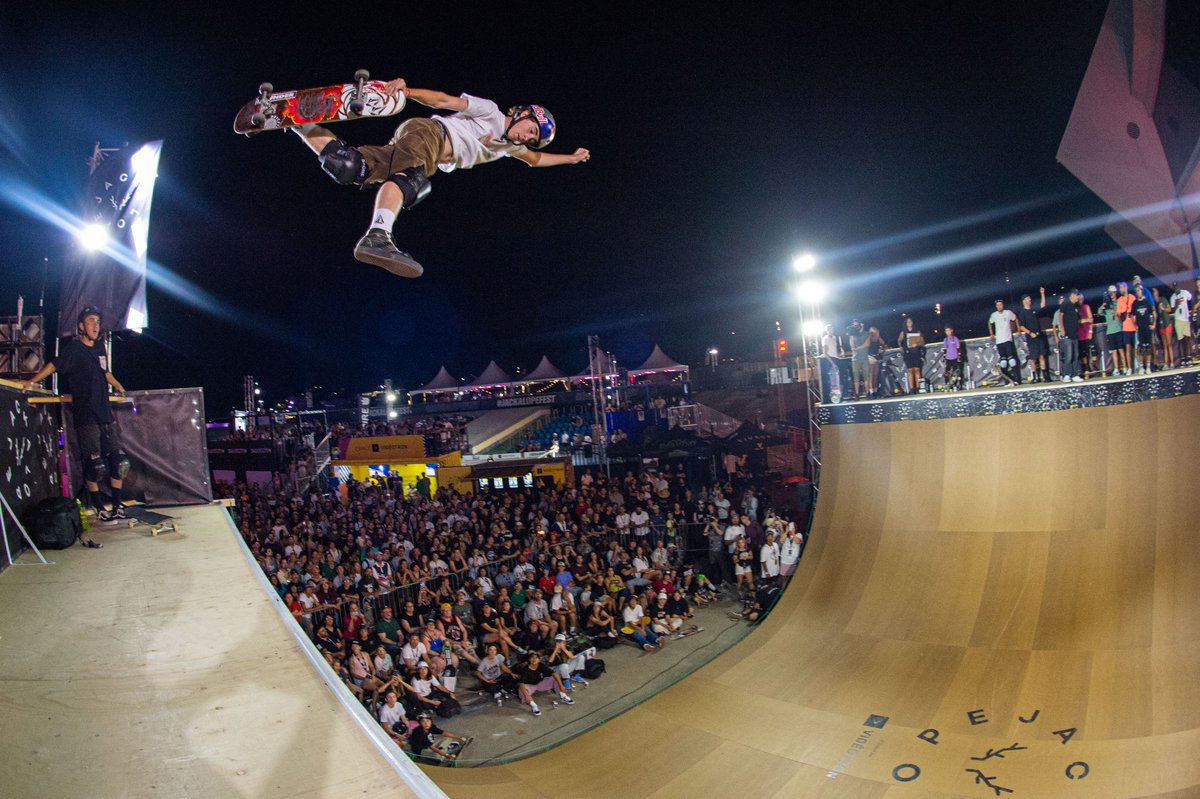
point(477, 132)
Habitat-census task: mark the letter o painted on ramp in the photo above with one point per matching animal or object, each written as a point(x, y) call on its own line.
point(911, 772)
point(1078, 765)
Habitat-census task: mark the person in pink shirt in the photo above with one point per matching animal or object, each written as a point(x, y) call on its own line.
point(1086, 348)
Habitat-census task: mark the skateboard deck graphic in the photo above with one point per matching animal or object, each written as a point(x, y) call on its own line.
point(273, 110)
point(157, 522)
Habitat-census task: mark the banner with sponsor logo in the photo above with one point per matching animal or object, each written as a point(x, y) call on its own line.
point(384, 449)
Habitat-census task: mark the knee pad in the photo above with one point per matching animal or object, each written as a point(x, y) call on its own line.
point(95, 469)
point(118, 464)
point(343, 163)
point(414, 185)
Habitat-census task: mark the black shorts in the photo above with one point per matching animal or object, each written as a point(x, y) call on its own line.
point(914, 358)
point(1007, 350)
point(97, 439)
point(1087, 346)
point(1037, 346)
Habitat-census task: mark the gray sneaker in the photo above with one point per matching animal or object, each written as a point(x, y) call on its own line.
point(378, 249)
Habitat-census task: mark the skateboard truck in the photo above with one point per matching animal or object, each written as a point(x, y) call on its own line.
point(258, 118)
point(356, 105)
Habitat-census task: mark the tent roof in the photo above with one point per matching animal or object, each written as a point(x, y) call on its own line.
point(493, 375)
point(659, 361)
point(442, 380)
point(545, 371)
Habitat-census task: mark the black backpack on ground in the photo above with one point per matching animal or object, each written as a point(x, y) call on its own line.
point(55, 523)
point(593, 668)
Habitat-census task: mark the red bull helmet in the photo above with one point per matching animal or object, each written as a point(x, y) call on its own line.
point(539, 114)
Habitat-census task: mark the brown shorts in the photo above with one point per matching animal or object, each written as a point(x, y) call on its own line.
point(417, 142)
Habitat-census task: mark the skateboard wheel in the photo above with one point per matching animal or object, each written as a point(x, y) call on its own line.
point(356, 106)
point(258, 119)
point(362, 74)
point(265, 88)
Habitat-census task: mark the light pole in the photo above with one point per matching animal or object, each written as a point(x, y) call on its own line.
point(809, 293)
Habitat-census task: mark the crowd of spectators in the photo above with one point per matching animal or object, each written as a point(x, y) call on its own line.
point(407, 596)
point(1129, 329)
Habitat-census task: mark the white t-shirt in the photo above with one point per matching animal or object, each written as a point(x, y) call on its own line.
point(829, 345)
point(789, 552)
point(476, 135)
point(732, 533)
point(769, 558)
point(1182, 310)
point(389, 715)
point(490, 668)
point(1001, 322)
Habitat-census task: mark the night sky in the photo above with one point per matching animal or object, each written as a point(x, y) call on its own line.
point(722, 144)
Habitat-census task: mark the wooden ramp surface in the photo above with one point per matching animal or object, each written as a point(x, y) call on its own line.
point(989, 607)
point(995, 606)
point(160, 667)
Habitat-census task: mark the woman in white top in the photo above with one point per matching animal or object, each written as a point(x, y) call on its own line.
point(642, 634)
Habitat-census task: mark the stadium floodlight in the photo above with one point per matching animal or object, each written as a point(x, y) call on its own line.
point(391, 396)
point(805, 262)
point(93, 237)
point(813, 328)
point(145, 162)
point(391, 414)
point(811, 292)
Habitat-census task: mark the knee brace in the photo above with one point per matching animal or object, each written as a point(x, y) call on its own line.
point(414, 185)
point(343, 163)
point(118, 464)
point(95, 469)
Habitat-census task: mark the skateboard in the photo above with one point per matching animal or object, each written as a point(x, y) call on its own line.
point(689, 631)
point(157, 522)
point(451, 747)
point(272, 110)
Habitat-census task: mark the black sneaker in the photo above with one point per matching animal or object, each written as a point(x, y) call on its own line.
point(109, 517)
point(378, 249)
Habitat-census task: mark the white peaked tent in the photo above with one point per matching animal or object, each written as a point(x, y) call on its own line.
point(659, 361)
point(544, 371)
point(493, 376)
point(442, 381)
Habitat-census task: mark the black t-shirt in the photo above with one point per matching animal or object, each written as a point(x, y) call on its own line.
point(528, 675)
point(1070, 319)
point(677, 607)
point(1141, 310)
point(421, 739)
point(1028, 319)
point(84, 369)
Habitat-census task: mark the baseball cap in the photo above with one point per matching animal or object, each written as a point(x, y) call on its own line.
point(447, 606)
point(662, 595)
point(1112, 288)
point(560, 637)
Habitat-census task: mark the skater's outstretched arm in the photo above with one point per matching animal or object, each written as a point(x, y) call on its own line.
point(536, 158)
point(429, 97)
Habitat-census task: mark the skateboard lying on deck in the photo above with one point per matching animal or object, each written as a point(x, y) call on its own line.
point(684, 633)
point(157, 522)
point(272, 110)
point(451, 747)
